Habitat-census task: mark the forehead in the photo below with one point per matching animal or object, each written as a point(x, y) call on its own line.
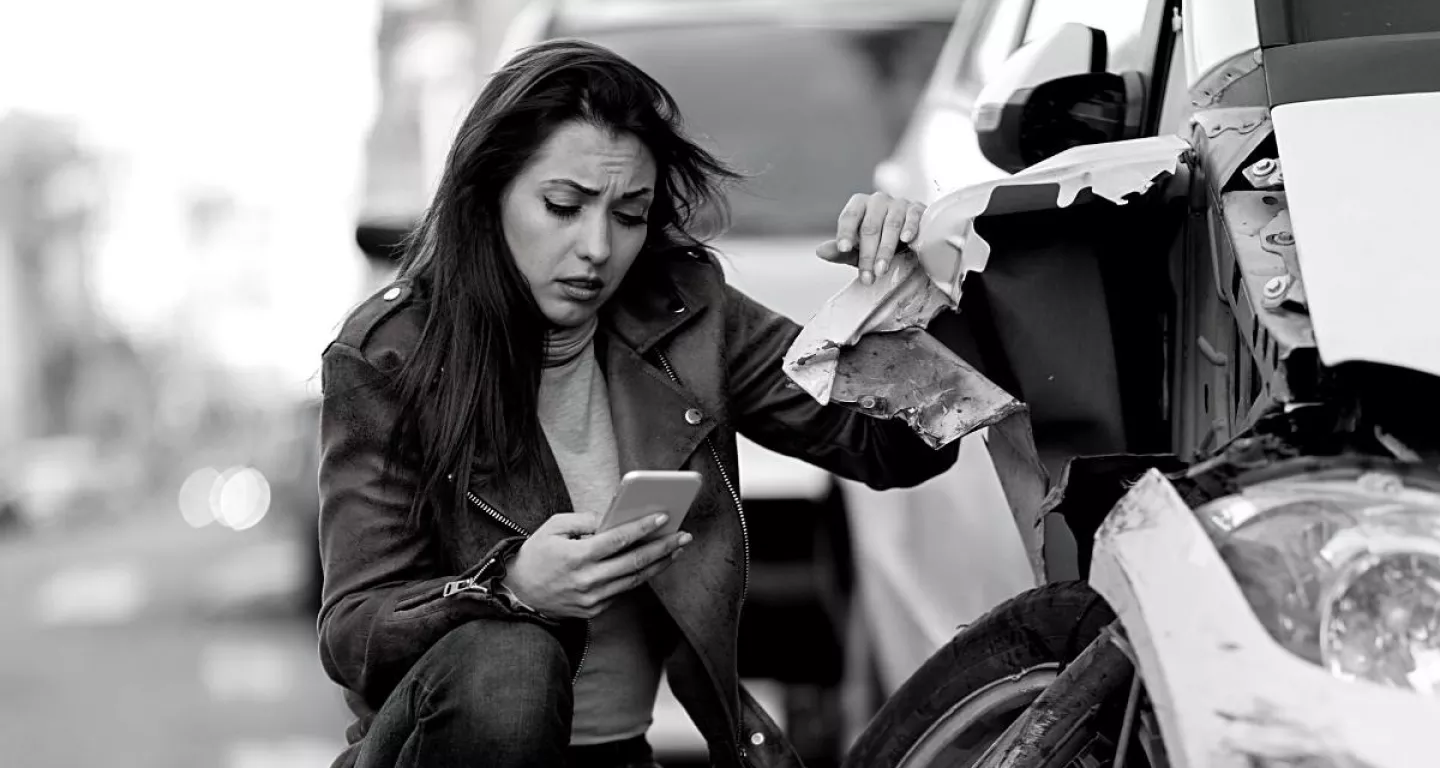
point(594, 157)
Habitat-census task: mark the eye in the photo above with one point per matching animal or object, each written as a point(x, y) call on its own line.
point(629, 220)
point(562, 211)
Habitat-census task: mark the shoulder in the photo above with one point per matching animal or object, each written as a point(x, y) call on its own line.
point(699, 281)
point(697, 276)
point(385, 327)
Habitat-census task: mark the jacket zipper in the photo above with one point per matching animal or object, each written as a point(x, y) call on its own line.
point(492, 512)
point(455, 586)
point(744, 531)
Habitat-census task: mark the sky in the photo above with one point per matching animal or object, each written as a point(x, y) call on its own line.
point(263, 102)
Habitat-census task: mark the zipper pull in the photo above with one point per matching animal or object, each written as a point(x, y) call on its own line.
point(470, 583)
point(463, 585)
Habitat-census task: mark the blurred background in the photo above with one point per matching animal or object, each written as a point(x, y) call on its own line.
point(193, 193)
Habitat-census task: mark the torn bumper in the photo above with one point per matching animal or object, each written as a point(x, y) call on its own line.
point(909, 376)
point(1223, 691)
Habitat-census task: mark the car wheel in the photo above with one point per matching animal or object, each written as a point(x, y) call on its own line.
point(965, 696)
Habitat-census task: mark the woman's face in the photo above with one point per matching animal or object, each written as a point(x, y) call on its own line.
point(574, 218)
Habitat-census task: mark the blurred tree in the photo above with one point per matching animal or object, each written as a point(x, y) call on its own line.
point(43, 214)
point(68, 377)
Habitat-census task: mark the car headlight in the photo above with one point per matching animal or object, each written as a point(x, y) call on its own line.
point(1343, 569)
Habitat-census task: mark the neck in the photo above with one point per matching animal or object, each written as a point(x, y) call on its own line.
point(564, 344)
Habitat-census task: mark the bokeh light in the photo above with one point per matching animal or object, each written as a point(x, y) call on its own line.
point(194, 498)
point(243, 498)
point(216, 489)
point(237, 498)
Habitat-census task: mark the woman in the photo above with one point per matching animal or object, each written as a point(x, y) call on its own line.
point(555, 325)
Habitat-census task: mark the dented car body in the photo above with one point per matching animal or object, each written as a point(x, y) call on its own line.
point(1240, 430)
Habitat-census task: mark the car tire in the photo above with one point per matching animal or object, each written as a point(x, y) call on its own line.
point(1002, 661)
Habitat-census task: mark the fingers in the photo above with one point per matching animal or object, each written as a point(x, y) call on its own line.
point(592, 607)
point(889, 236)
point(913, 213)
point(635, 560)
point(871, 229)
point(636, 567)
point(830, 251)
point(623, 537)
point(570, 525)
point(902, 224)
point(847, 232)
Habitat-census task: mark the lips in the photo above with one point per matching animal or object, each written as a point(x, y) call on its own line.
point(581, 288)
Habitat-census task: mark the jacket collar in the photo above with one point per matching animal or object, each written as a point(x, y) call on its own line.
point(647, 408)
point(656, 301)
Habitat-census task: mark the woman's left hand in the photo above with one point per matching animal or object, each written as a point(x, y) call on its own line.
point(871, 229)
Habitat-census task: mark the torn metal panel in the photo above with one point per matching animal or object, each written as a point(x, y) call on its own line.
point(911, 376)
point(1258, 225)
point(1224, 138)
point(1265, 173)
point(1272, 400)
point(1023, 479)
point(1287, 290)
point(903, 298)
point(1114, 171)
point(915, 290)
point(1089, 487)
point(1240, 69)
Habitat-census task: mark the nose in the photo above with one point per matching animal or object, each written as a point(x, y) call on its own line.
point(594, 245)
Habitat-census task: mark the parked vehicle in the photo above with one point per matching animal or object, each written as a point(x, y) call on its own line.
point(1230, 376)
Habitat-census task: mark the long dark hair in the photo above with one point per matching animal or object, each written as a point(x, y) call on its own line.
point(468, 393)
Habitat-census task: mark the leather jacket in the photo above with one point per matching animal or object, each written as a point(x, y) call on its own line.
point(690, 362)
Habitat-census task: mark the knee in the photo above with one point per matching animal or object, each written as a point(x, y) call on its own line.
point(498, 655)
point(509, 678)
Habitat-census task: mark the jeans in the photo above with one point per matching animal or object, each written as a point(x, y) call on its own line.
point(491, 694)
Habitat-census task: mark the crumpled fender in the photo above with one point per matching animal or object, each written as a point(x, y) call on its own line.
point(827, 360)
point(864, 348)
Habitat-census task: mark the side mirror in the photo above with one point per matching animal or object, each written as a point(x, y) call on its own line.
point(1054, 94)
point(383, 240)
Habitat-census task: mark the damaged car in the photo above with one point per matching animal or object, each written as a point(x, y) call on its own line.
point(1193, 323)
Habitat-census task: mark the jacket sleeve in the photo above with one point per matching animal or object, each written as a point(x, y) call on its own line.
point(769, 409)
point(387, 598)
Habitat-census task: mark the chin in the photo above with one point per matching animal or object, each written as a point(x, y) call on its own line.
point(569, 315)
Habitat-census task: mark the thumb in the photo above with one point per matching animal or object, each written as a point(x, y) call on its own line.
point(830, 251)
point(572, 525)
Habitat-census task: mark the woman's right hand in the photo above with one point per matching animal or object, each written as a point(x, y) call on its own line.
point(565, 569)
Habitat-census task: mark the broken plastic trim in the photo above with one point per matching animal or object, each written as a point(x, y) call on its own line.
point(910, 376)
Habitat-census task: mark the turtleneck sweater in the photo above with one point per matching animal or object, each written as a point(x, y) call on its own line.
point(616, 689)
point(563, 345)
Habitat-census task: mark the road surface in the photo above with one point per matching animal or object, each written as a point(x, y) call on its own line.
point(155, 645)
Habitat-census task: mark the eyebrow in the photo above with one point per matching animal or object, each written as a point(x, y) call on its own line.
point(588, 192)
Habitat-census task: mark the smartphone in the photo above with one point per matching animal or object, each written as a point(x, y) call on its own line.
point(642, 491)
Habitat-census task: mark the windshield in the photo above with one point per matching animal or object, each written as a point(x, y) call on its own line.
point(1284, 22)
point(806, 111)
